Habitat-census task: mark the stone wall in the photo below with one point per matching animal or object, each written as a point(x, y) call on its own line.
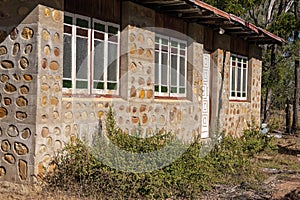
point(30, 90)
point(37, 119)
point(232, 117)
point(137, 111)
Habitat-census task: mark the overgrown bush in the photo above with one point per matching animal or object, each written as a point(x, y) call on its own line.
point(92, 172)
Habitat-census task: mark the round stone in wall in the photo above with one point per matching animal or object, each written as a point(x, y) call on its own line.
point(44, 63)
point(16, 77)
point(47, 50)
point(24, 63)
point(21, 115)
point(56, 38)
point(10, 88)
point(47, 12)
point(14, 34)
point(56, 16)
point(27, 33)
point(45, 132)
point(56, 51)
point(27, 77)
point(7, 101)
point(22, 169)
point(28, 49)
point(2, 171)
point(23, 90)
point(9, 158)
point(7, 64)
point(26, 133)
point(5, 146)
point(3, 113)
point(4, 78)
point(54, 65)
point(57, 131)
point(21, 102)
point(3, 50)
point(45, 35)
point(20, 149)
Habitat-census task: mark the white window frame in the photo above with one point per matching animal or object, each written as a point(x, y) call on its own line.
point(169, 67)
point(234, 92)
point(90, 56)
point(106, 42)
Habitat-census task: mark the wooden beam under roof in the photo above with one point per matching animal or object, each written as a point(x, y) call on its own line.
point(162, 1)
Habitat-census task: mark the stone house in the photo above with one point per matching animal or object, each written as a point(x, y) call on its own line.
point(180, 65)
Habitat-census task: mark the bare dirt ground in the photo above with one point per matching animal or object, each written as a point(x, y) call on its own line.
point(281, 182)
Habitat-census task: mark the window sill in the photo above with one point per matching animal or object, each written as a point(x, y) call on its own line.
point(68, 95)
point(238, 100)
point(170, 99)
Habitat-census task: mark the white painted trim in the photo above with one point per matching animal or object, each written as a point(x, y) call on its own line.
point(231, 97)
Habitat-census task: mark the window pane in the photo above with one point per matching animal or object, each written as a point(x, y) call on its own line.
point(182, 90)
point(99, 85)
point(173, 70)
point(174, 44)
point(113, 30)
point(174, 90)
point(67, 68)
point(67, 83)
point(112, 86)
point(182, 71)
point(164, 41)
point(112, 62)
point(182, 46)
point(82, 23)
point(244, 80)
point(98, 60)
point(156, 68)
point(68, 20)
point(99, 27)
point(233, 79)
point(239, 81)
point(82, 58)
point(164, 69)
point(81, 84)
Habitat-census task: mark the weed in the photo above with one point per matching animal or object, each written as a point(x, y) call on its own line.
point(89, 171)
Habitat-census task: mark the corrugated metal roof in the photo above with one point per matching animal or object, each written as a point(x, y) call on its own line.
point(205, 14)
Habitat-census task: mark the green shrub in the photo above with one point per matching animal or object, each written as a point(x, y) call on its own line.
point(92, 172)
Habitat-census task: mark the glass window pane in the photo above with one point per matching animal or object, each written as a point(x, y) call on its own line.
point(156, 68)
point(182, 46)
point(174, 44)
point(164, 69)
point(113, 30)
point(68, 20)
point(164, 41)
point(173, 70)
point(182, 71)
point(244, 80)
point(81, 84)
point(82, 23)
point(239, 81)
point(233, 79)
point(98, 60)
point(112, 86)
point(67, 83)
point(82, 58)
point(67, 68)
point(99, 27)
point(112, 62)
